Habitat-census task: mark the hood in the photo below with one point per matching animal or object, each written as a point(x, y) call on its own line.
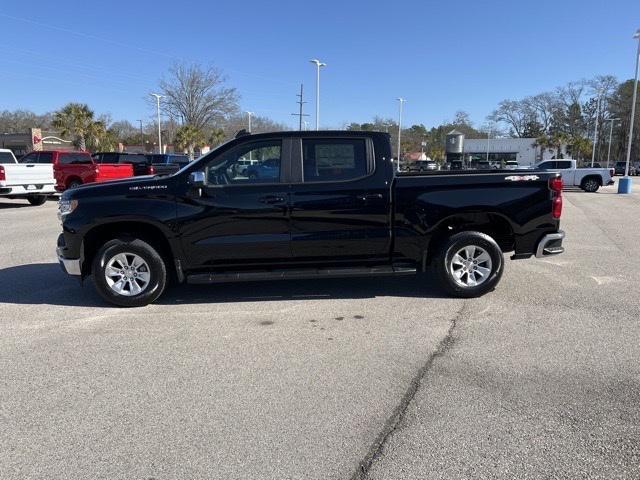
point(122, 186)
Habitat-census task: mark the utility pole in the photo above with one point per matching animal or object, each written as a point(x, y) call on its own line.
point(624, 185)
point(401, 102)
point(141, 134)
point(610, 137)
point(595, 130)
point(318, 65)
point(158, 97)
point(249, 115)
point(300, 102)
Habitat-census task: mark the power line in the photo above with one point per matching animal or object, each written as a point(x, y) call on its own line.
point(301, 103)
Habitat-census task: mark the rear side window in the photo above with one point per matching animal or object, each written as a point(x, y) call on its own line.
point(73, 158)
point(124, 158)
point(107, 158)
point(6, 157)
point(563, 164)
point(45, 157)
point(327, 160)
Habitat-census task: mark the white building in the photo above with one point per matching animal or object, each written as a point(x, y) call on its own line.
point(523, 150)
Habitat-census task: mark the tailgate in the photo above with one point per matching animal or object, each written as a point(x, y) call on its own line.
point(28, 174)
point(112, 171)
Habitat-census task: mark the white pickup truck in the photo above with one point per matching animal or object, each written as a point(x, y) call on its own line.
point(588, 179)
point(32, 181)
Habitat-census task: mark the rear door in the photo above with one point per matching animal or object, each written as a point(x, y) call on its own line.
point(340, 204)
point(238, 220)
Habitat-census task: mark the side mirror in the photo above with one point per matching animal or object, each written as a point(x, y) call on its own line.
point(196, 179)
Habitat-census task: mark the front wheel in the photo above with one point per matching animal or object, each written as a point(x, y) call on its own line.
point(129, 273)
point(36, 200)
point(469, 264)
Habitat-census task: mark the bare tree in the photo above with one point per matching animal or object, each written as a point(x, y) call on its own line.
point(197, 96)
point(516, 114)
point(543, 105)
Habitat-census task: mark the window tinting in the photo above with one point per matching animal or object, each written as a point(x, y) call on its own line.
point(132, 158)
point(30, 158)
point(6, 157)
point(563, 164)
point(256, 162)
point(326, 160)
point(45, 157)
point(73, 158)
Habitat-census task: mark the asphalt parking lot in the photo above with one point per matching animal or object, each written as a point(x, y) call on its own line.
point(375, 378)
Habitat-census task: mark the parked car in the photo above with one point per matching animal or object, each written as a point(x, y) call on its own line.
point(32, 180)
point(620, 168)
point(511, 165)
point(423, 166)
point(456, 165)
point(139, 161)
point(264, 170)
point(333, 207)
point(588, 179)
point(72, 169)
point(167, 163)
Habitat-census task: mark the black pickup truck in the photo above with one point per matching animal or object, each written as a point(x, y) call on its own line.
point(322, 204)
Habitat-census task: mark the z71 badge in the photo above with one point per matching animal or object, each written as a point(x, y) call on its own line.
point(522, 178)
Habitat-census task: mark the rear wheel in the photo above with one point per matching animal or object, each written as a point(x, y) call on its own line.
point(36, 199)
point(129, 273)
point(469, 264)
point(590, 185)
point(74, 184)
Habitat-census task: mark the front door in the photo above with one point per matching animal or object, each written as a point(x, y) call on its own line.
point(241, 217)
point(340, 206)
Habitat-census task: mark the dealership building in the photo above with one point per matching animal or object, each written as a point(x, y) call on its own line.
point(34, 139)
point(525, 151)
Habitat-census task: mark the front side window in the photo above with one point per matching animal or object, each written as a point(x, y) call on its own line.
point(30, 158)
point(326, 160)
point(256, 162)
point(547, 165)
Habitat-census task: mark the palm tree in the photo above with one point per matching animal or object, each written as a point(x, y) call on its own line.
point(216, 137)
point(189, 137)
point(77, 121)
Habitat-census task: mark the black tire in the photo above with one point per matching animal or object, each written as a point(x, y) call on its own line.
point(590, 184)
point(156, 268)
point(253, 176)
point(442, 264)
point(36, 200)
point(74, 184)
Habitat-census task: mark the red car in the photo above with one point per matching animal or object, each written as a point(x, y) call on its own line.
point(71, 169)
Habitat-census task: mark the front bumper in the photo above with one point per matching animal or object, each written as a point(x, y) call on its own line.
point(71, 266)
point(550, 244)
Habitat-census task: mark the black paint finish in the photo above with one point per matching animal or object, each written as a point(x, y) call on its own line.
point(380, 218)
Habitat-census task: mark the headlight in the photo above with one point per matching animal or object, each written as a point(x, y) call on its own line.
point(65, 207)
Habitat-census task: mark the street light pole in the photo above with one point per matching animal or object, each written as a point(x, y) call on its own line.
point(158, 97)
point(595, 130)
point(401, 102)
point(141, 134)
point(249, 115)
point(624, 185)
point(318, 65)
point(488, 136)
point(610, 137)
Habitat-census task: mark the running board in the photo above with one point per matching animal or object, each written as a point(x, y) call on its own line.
point(298, 274)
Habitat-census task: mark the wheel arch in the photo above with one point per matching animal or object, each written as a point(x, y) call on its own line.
point(494, 224)
point(154, 235)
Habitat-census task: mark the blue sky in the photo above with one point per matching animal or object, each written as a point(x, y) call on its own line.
point(440, 56)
